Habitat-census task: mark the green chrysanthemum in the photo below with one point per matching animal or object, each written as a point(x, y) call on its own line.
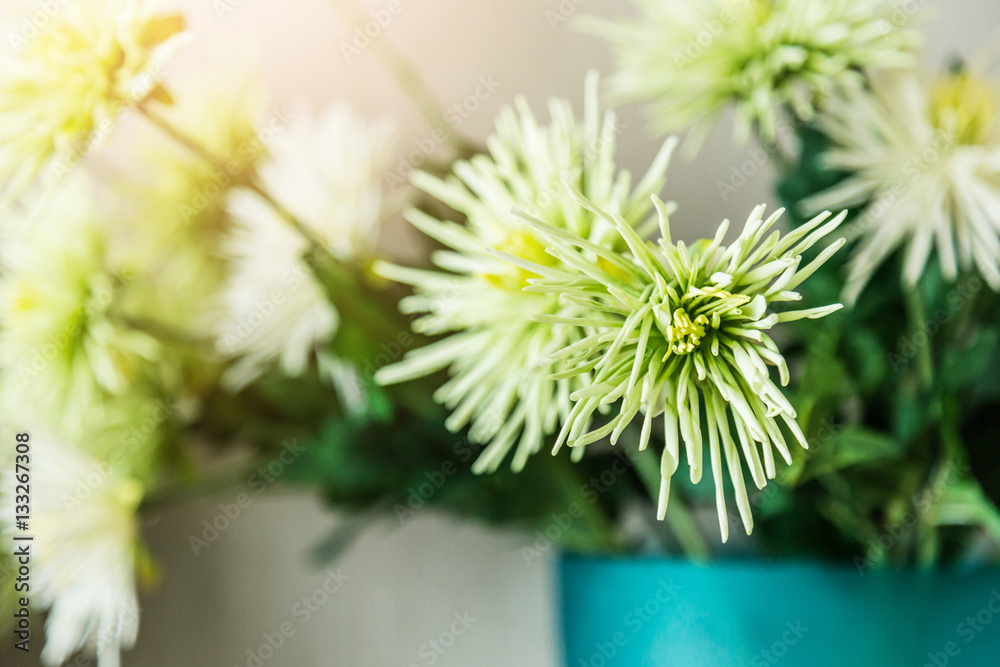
point(680, 332)
point(691, 60)
point(493, 344)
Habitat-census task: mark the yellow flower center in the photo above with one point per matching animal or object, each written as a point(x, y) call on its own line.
point(965, 106)
point(524, 245)
point(685, 334)
point(128, 494)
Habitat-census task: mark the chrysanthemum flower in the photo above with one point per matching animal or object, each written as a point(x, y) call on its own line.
point(493, 344)
point(676, 331)
point(65, 346)
point(691, 60)
point(64, 90)
point(924, 163)
point(328, 173)
point(83, 520)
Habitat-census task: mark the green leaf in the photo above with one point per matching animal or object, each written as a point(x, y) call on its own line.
point(844, 448)
point(964, 504)
point(868, 357)
point(973, 364)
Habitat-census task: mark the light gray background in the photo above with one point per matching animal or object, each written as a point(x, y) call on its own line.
point(405, 584)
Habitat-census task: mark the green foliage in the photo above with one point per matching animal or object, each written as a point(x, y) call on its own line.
point(897, 396)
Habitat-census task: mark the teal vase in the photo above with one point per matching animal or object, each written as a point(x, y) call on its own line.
point(673, 613)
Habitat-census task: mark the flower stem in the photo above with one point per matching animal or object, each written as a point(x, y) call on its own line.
point(569, 482)
point(918, 324)
point(406, 76)
point(345, 291)
point(182, 138)
point(678, 517)
point(218, 163)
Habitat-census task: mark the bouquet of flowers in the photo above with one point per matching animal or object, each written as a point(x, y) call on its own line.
point(222, 308)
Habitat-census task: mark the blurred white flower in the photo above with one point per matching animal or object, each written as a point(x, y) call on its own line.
point(83, 520)
point(924, 162)
point(494, 340)
point(65, 347)
point(64, 88)
point(691, 60)
point(327, 172)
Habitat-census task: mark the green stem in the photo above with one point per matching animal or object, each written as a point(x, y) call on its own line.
point(358, 304)
point(406, 75)
point(355, 303)
point(917, 315)
point(570, 482)
point(164, 332)
point(678, 517)
point(182, 138)
point(205, 487)
point(346, 293)
point(952, 452)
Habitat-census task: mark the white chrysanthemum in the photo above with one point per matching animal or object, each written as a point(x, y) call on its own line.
point(493, 344)
point(68, 81)
point(925, 162)
point(691, 60)
point(670, 328)
point(83, 520)
point(64, 346)
point(328, 173)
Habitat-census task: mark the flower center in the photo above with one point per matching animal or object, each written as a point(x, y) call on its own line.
point(965, 106)
point(524, 245)
point(687, 321)
point(684, 333)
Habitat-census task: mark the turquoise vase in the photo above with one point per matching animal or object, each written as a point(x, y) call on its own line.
point(672, 613)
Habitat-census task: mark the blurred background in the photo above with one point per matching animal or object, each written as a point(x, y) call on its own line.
point(427, 590)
